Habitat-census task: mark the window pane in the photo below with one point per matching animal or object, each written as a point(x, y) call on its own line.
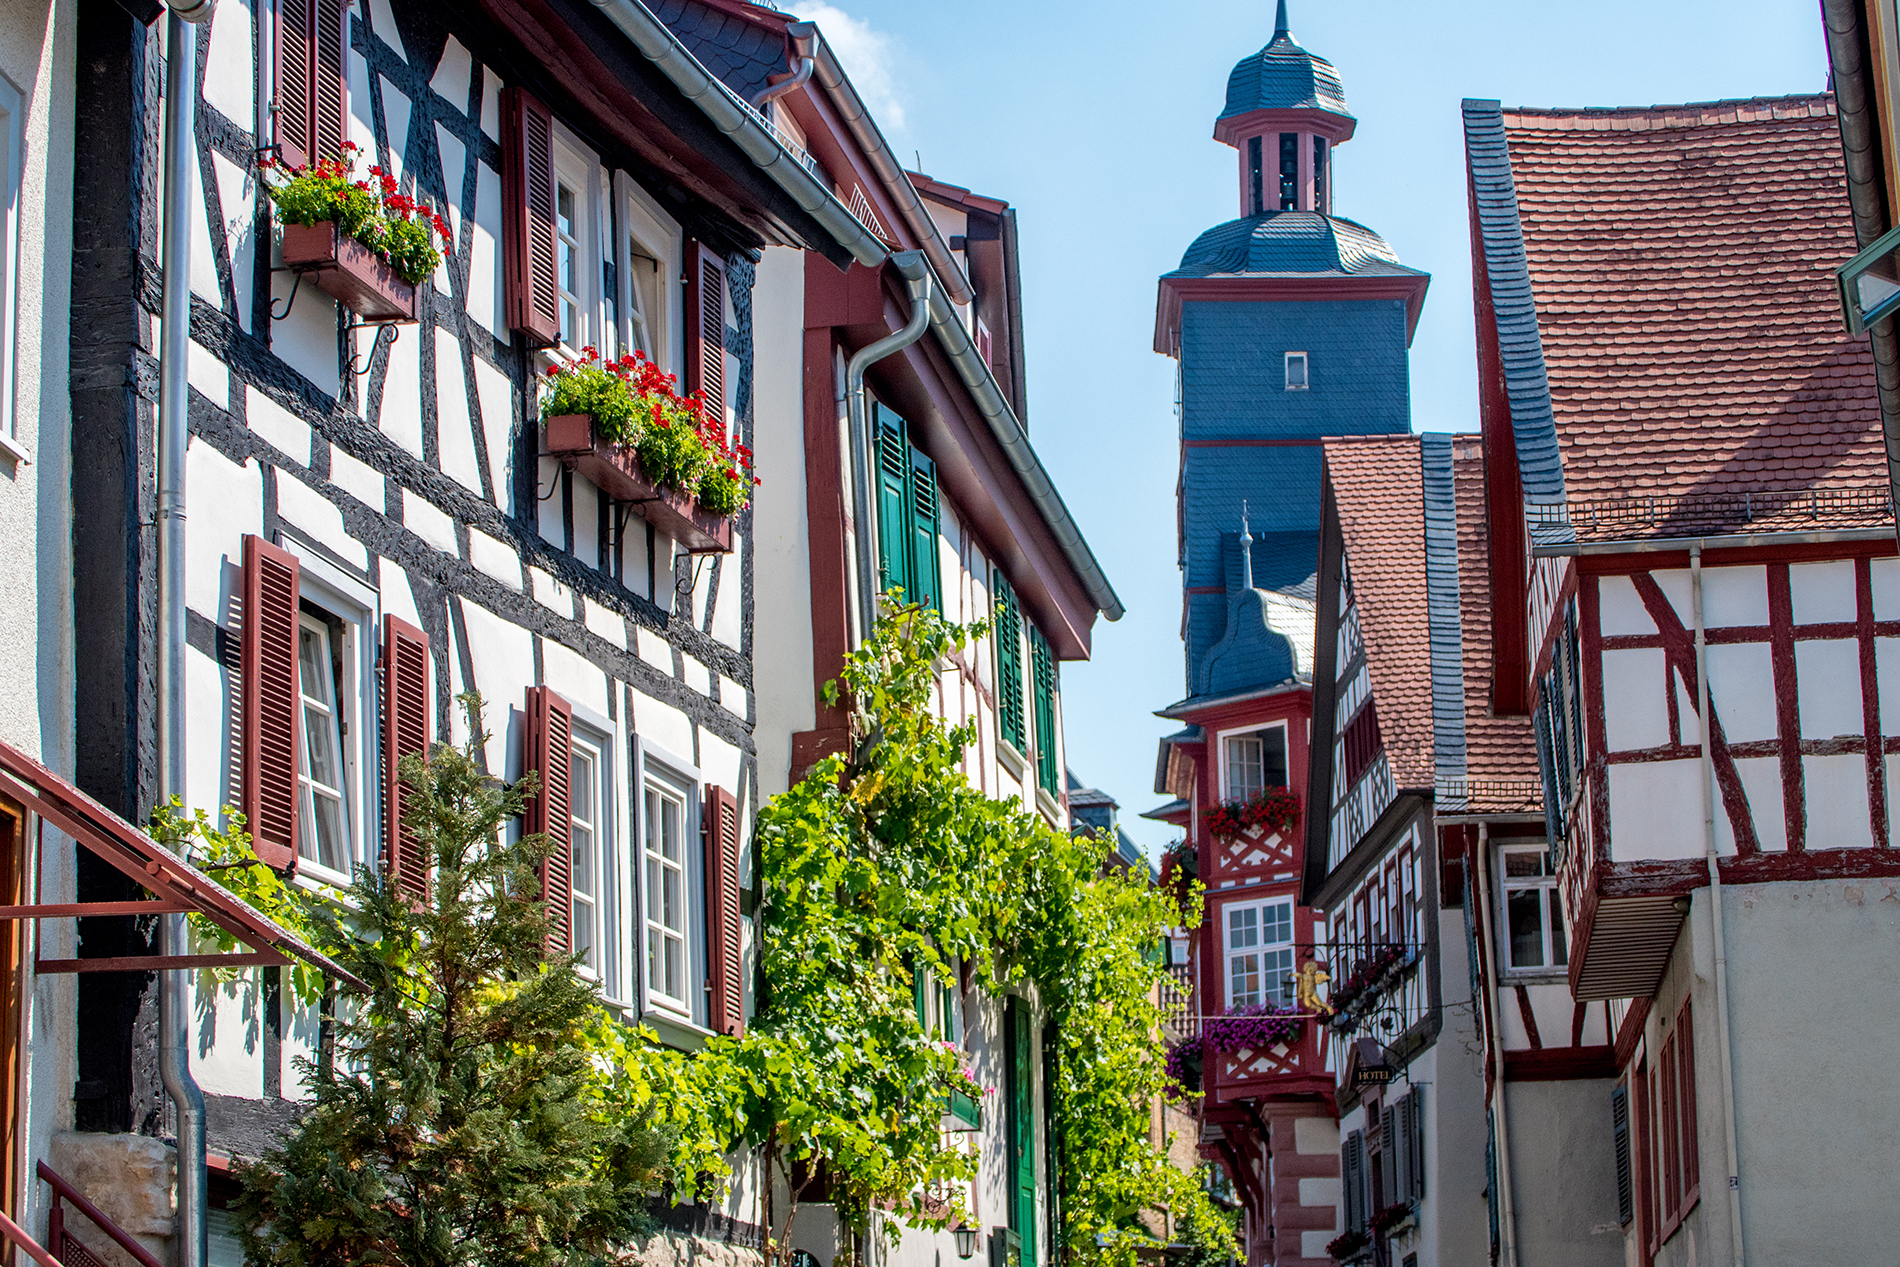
point(1245, 973)
point(670, 828)
point(584, 931)
point(1243, 927)
point(583, 861)
point(1560, 953)
point(675, 969)
point(313, 657)
point(1278, 923)
point(1524, 912)
point(1243, 768)
point(1279, 968)
point(671, 907)
point(321, 729)
point(330, 838)
point(1523, 864)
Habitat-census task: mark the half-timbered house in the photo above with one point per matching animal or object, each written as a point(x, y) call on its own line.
point(1692, 577)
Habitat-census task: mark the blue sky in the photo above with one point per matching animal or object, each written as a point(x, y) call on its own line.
point(1096, 121)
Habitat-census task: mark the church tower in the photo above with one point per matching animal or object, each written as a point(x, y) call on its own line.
point(1288, 324)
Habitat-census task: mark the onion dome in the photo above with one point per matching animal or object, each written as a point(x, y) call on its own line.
point(1284, 76)
point(1288, 242)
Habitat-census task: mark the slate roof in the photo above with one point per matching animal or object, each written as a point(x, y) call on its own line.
point(1686, 351)
point(1288, 242)
point(741, 52)
point(1500, 753)
point(1378, 488)
point(1284, 76)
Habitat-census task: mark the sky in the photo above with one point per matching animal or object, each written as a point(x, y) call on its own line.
point(1096, 120)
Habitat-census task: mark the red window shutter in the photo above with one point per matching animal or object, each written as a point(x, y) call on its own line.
point(550, 753)
point(706, 327)
point(527, 154)
point(1670, 1124)
point(268, 711)
point(719, 827)
point(312, 42)
point(1645, 1161)
point(1685, 1094)
point(405, 732)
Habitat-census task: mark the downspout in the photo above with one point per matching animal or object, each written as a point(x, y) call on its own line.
point(1507, 1209)
point(1715, 910)
point(916, 273)
point(804, 38)
point(174, 994)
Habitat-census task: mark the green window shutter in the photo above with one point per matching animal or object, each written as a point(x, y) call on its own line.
point(893, 504)
point(918, 982)
point(1043, 664)
point(1019, 1071)
point(926, 562)
point(1009, 662)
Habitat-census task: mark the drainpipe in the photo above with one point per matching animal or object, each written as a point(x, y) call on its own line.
point(912, 267)
point(1507, 1209)
point(174, 994)
point(804, 38)
point(1715, 910)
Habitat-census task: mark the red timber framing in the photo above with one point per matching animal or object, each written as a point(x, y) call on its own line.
point(176, 885)
point(1623, 914)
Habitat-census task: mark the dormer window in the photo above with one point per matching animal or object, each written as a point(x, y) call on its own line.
point(1296, 372)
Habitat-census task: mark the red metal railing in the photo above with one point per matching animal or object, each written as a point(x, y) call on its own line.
point(69, 1252)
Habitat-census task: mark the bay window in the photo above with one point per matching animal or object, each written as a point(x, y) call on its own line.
point(1259, 951)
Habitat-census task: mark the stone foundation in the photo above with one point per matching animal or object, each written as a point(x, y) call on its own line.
point(131, 1179)
point(677, 1249)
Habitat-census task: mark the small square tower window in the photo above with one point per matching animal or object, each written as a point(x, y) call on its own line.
point(1296, 371)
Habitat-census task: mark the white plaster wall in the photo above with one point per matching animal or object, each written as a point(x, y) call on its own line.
point(1656, 810)
point(1563, 1174)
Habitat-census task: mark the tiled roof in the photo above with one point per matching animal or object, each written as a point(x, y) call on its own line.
point(1379, 491)
point(741, 50)
point(1284, 76)
point(1680, 259)
point(1288, 242)
point(1500, 753)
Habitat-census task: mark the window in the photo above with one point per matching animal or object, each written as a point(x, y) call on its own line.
point(1009, 663)
point(568, 255)
point(1256, 198)
point(1296, 372)
point(587, 816)
point(1319, 174)
point(1043, 663)
point(664, 826)
point(646, 291)
point(1289, 170)
point(11, 157)
point(1666, 1120)
point(579, 207)
point(1259, 954)
point(1532, 917)
point(323, 809)
point(1255, 762)
point(908, 521)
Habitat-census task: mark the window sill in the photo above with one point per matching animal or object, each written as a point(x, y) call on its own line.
point(675, 1030)
point(1050, 808)
point(1012, 760)
point(14, 449)
point(1534, 976)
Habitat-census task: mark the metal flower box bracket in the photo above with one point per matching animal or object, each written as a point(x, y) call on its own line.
point(349, 272)
point(616, 472)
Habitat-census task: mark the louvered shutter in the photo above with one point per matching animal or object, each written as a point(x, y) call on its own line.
point(706, 327)
point(527, 167)
point(269, 708)
point(1685, 1094)
point(405, 733)
point(330, 78)
point(1417, 1190)
point(1669, 1125)
point(1402, 1162)
point(1009, 661)
point(293, 37)
point(1620, 1143)
point(719, 827)
point(894, 552)
point(549, 812)
point(1043, 664)
point(926, 563)
point(1353, 1162)
point(1388, 1187)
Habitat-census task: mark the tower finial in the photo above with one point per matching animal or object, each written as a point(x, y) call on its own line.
point(1279, 22)
point(1246, 537)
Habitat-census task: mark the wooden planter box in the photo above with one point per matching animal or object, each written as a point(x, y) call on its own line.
point(615, 470)
point(349, 272)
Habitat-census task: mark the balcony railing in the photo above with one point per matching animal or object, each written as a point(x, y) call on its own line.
point(1177, 1001)
point(71, 1251)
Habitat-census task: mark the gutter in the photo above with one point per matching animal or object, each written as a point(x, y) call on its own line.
point(1731, 541)
point(744, 125)
point(864, 130)
point(1855, 108)
point(1009, 433)
point(1501, 1135)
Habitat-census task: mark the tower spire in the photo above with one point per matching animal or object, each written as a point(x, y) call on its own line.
point(1279, 23)
point(1246, 537)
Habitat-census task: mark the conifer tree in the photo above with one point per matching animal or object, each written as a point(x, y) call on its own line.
point(464, 1118)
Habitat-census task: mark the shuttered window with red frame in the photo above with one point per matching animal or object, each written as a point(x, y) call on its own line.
point(405, 669)
point(1668, 1132)
point(550, 754)
point(719, 827)
point(706, 327)
point(1686, 1111)
point(268, 706)
point(311, 92)
point(529, 246)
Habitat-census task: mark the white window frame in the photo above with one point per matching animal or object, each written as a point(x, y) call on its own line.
point(1255, 733)
point(596, 751)
point(1279, 992)
point(578, 168)
point(639, 217)
point(656, 765)
point(334, 701)
point(12, 163)
point(1305, 364)
point(1550, 908)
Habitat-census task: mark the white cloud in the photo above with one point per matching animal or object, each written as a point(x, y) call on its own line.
point(868, 56)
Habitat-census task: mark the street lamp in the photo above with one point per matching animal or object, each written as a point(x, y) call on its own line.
point(966, 1239)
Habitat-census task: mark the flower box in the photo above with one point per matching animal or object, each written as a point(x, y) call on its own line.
point(349, 272)
point(616, 471)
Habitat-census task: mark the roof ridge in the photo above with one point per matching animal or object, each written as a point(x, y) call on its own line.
point(1691, 114)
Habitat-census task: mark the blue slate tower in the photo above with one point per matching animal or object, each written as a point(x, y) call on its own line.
point(1289, 323)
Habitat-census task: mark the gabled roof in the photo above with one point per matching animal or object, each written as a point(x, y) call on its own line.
point(1660, 280)
point(1378, 490)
